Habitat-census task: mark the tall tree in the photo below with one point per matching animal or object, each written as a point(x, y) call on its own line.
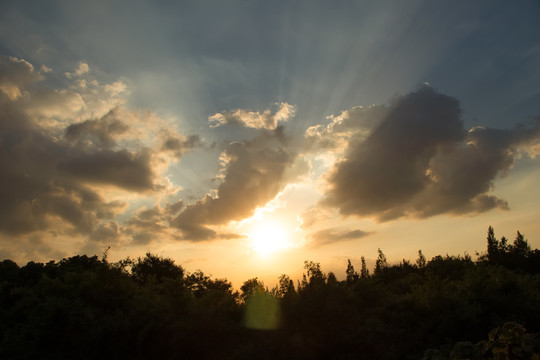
point(364, 272)
point(285, 286)
point(421, 261)
point(352, 275)
point(503, 245)
point(314, 273)
point(331, 278)
point(381, 262)
point(492, 245)
point(521, 247)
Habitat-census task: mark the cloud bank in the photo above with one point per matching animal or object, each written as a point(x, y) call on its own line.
point(418, 160)
point(59, 162)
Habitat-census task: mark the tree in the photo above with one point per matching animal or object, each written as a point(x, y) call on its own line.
point(285, 286)
point(521, 247)
point(421, 261)
point(492, 245)
point(352, 276)
point(8, 270)
point(315, 276)
point(156, 268)
point(512, 256)
point(503, 245)
point(364, 272)
point(250, 287)
point(381, 262)
point(331, 279)
point(197, 283)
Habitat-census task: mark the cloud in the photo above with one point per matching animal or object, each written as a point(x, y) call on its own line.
point(313, 215)
point(45, 69)
point(33, 247)
point(147, 225)
point(178, 145)
point(254, 172)
point(34, 196)
point(15, 74)
point(52, 104)
point(419, 161)
point(108, 232)
point(358, 122)
point(101, 132)
point(268, 119)
point(82, 69)
point(123, 169)
point(333, 235)
point(116, 87)
point(58, 161)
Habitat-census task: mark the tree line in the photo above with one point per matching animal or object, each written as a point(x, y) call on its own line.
point(449, 307)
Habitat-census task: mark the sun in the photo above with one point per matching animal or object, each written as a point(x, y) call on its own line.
point(268, 237)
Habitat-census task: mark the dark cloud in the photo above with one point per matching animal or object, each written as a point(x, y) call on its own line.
point(32, 203)
point(419, 161)
point(333, 235)
point(254, 173)
point(124, 169)
point(34, 196)
point(179, 145)
point(152, 224)
point(106, 233)
point(49, 167)
point(462, 176)
point(147, 225)
point(15, 74)
point(174, 208)
point(98, 132)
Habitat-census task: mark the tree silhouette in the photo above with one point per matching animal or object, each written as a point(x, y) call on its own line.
point(364, 272)
point(155, 268)
point(492, 245)
point(521, 248)
point(250, 287)
point(381, 262)
point(285, 286)
point(314, 277)
point(84, 307)
point(421, 261)
point(352, 275)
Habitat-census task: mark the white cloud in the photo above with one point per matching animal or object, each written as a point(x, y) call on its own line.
point(267, 119)
point(81, 69)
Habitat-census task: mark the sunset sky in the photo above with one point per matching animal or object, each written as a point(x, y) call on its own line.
point(244, 137)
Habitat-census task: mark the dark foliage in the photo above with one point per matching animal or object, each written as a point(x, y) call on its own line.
point(150, 308)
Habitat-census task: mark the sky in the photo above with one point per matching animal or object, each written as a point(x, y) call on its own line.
point(244, 137)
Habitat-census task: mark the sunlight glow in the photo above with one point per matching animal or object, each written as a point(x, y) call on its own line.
point(268, 237)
